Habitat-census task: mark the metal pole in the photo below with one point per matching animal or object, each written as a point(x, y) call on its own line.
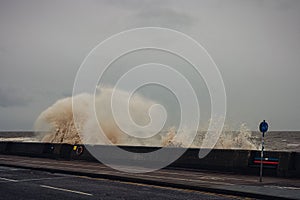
point(261, 156)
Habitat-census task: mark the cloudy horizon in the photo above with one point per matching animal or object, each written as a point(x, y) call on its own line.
point(255, 44)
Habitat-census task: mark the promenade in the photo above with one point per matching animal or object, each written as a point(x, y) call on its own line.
point(196, 180)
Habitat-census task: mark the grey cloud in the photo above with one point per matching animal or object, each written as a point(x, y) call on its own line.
point(255, 44)
point(12, 97)
point(67, 94)
point(155, 13)
point(164, 17)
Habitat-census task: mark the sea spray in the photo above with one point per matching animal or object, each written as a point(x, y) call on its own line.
point(57, 124)
point(138, 106)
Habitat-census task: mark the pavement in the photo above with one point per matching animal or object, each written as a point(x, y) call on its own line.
point(203, 181)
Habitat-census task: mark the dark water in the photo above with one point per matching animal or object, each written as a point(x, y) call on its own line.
point(282, 140)
point(15, 134)
point(274, 140)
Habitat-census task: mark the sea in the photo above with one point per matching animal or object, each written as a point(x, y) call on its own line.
point(273, 140)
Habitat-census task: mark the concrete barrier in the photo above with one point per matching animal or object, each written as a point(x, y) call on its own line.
point(225, 160)
point(52, 150)
point(241, 161)
point(296, 173)
point(83, 154)
point(45, 150)
point(65, 151)
point(3, 147)
point(26, 149)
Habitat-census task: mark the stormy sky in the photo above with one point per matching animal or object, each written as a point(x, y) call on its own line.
point(255, 44)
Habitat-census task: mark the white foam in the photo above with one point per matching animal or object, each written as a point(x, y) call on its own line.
point(56, 124)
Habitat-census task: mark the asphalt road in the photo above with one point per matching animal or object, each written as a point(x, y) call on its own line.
point(17, 183)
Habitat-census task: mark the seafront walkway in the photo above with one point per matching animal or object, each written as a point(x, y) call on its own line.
point(200, 180)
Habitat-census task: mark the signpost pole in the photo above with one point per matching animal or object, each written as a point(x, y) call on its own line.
point(261, 156)
point(263, 127)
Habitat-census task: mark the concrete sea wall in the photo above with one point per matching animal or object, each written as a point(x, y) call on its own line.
point(239, 161)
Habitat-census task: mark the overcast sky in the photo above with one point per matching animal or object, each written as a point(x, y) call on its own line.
point(256, 45)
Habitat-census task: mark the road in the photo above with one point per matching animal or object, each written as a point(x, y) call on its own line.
point(17, 183)
point(196, 180)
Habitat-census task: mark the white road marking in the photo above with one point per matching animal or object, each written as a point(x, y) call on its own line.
point(65, 190)
point(7, 179)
